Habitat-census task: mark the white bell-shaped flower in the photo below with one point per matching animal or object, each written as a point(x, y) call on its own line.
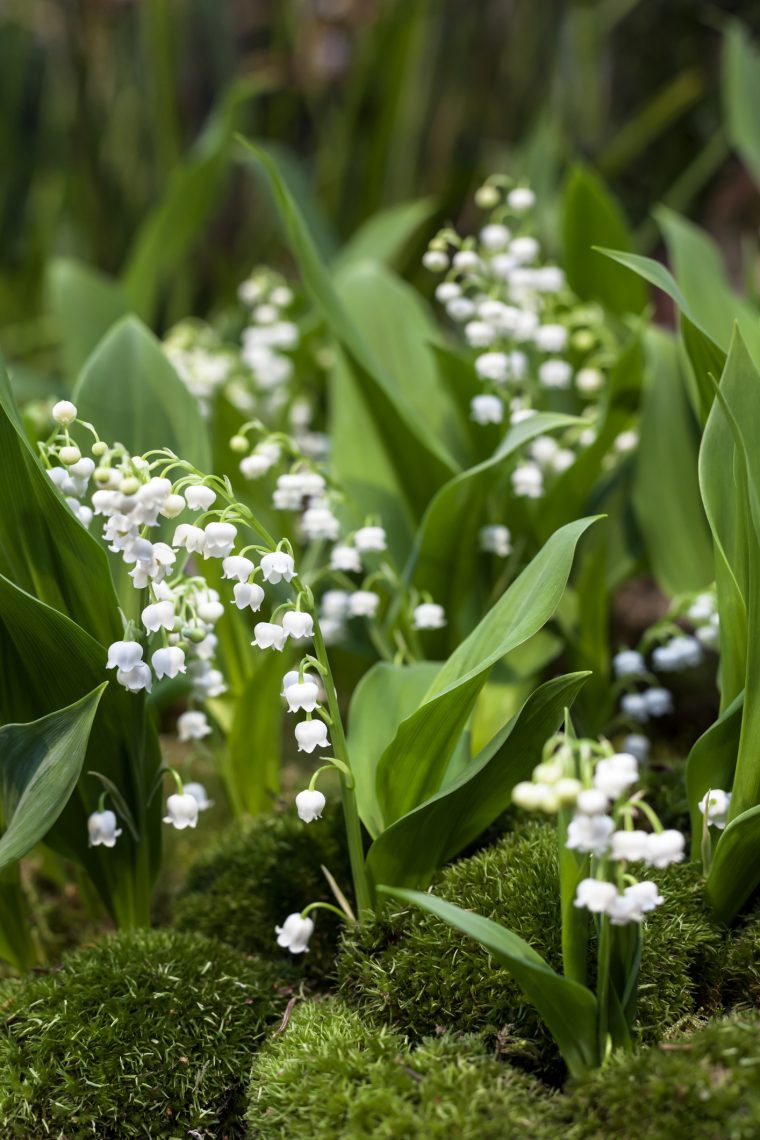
point(311, 734)
point(297, 625)
point(181, 810)
point(362, 603)
point(716, 803)
point(302, 696)
point(345, 559)
point(590, 801)
point(136, 679)
point(199, 497)
point(496, 539)
point(665, 847)
point(277, 566)
point(168, 662)
point(237, 567)
point(486, 409)
point(269, 635)
point(590, 833)
point(172, 506)
point(220, 539)
point(615, 775)
point(192, 538)
point(638, 745)
point(294, 934)
point(635, 706)
point(159, 615)
point(370, 538)
point(310, 805)
point(659, 702)
point(335, 604)
point(102, 829)
point(248, 595)
point(555, 374)
point(64, 412)
point(124, 655)
point(521, 199)
point(636, 901)
point(595, 895)
point(633, 846)
point(428, 615)
point(199, 793)
point(192, 725)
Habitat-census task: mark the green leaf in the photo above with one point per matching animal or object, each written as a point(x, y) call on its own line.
point(410, 851)
point(740, 72)
point(420, 462)
point(192, 193)
point(711, 764)
point(385, 696)
point(131, 393)
point(43, 548)
point(735, 870)
point(413, 766)
point(567, 1008)
point(251, 763)
point(441, 560)
point(592, 218)
point(84, 304)
point(40, 764)
point(385, 236)
point(655, 273)
point(676, 533)
point(706, 362)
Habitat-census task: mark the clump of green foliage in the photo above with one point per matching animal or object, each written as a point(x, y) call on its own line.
point(147, 1033)
point(418, 974)
point(333, 1073)
point(248, 881)
point(704, 1086)
point(741, 973)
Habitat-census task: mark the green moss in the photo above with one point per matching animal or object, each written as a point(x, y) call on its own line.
point(741, 976)
point(145, 1034)
point(334, 1074)
point(704, 1087)
point(417, 974)
point(247, 882)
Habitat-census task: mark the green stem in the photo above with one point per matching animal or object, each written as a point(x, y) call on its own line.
point(603, 986)
point(350, 810)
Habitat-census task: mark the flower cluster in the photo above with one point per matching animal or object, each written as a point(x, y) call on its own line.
point(597, 785)
point(530, 335)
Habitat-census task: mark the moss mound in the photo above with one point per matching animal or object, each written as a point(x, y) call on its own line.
point(332, 1074)
point(146, 1034)
point(704, 1087)
point(741, 975)
point(248, 881)
point(416, 973)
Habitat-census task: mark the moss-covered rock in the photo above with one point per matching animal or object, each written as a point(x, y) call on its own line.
point(414, 972)
point(741, 975)
point(333, 1074)
point(704, 1087)
point(143, 1034)
point(248, 881)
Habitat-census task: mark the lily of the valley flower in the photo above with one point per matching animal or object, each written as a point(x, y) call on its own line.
point(124, 655)
point(168, 662)
point(311, 734)
point(277, 567)
point(716, 803)
point(237, 567)
point(137, 678)
point(199, 497)
point(370, 538)
point(64, 412)
point(102, 829)
point(193, 725)
point(310, 805)
point(362, 603)
point(248, 594)
point(219, 540)
point(428, 615)
point(294, 934)
point(199, 794)
point(297, 625)
point(301, 696)
point(159, 615)
point(269, 635)
point(181, 810)
point(192, 538)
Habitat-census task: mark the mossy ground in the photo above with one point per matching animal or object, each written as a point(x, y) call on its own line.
point(415, 973)
point(333, 1074)
point(146, 1034)
point(247, 881)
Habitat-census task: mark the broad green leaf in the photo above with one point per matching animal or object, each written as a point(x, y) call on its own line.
point(399, 329)
point(441, 560)
point(421, 463)
point(16, 943)
point(706, 363)
point(191, 195)
point(413, 765)
point(735, 870)
point(251, 764)
point(656, 274)
point(131, 393)
point(84, 304)
point(593, 218)
point(386, 235)
point(711, 764)
point(47, 662)
point(410, 851)
point(43, 549)
point(699, 269)
point(40, 764)
point(567, 1008)
point(740, 73)
point(676, 533)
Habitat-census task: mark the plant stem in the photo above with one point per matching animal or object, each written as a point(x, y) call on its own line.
point(603, 985)
point(350, 810)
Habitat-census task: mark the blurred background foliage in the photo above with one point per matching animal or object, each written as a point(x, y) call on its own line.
point(118, 115)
